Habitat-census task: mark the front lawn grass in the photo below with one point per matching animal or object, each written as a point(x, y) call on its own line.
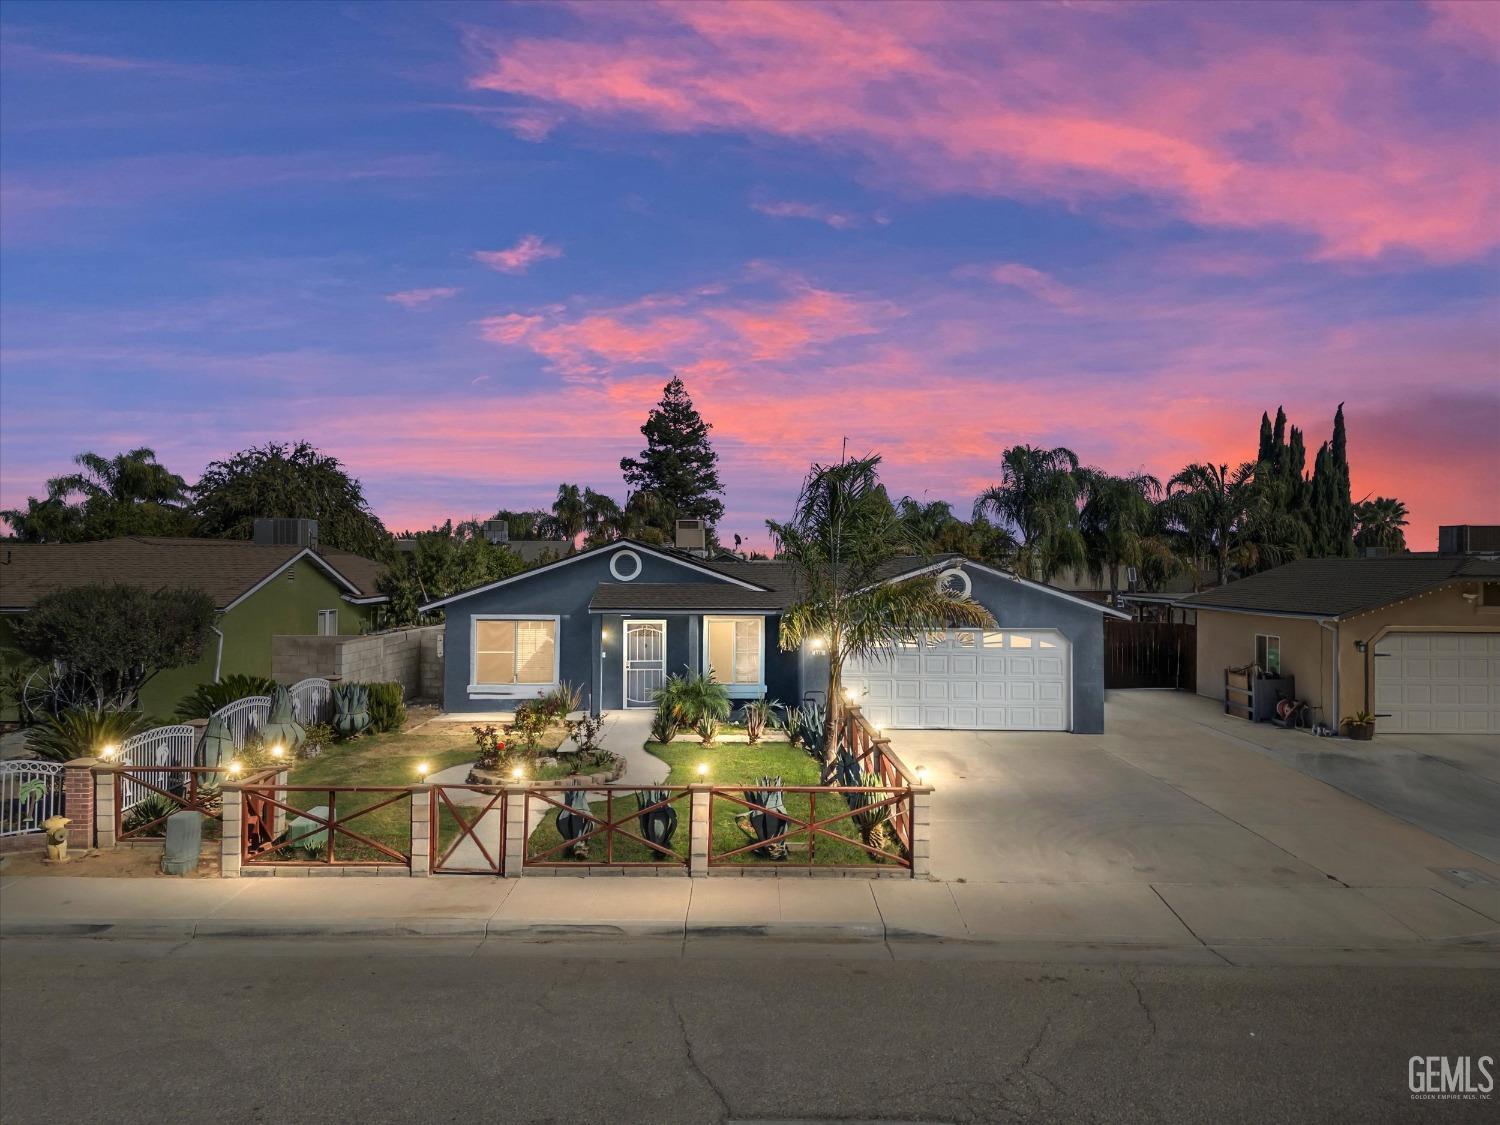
point(732, 764)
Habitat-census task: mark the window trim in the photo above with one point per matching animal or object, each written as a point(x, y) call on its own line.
point(479, 690)
point(737, 691)
point(1268, 638)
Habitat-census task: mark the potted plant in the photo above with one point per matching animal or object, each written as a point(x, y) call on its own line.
point(1360, 726)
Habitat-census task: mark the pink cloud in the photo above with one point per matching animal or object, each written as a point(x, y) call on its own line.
point(1241, 126)
point(531, 249)
point(1041, 285)
point(418, 298)
point(791, 209)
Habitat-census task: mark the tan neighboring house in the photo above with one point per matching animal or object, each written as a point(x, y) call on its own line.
point(1412, 639)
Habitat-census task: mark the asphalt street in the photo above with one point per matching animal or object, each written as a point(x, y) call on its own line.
point(606, 1031)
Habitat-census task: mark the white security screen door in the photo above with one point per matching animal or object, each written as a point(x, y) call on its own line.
point(645, 661)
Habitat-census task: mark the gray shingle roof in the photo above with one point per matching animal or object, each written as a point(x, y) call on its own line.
point(1340, 587)
point(223, 568)
point(692, 596)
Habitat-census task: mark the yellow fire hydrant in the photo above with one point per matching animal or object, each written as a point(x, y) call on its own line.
point(56, 828)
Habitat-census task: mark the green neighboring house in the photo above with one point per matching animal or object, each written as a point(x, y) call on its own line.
point(261, 591)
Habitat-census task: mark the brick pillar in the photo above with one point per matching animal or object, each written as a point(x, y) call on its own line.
point(421, 829)
point(232, 830)
point(78, 801)
point(921, 831)
point(104, 804)
point(698, 831)
point(514, 844)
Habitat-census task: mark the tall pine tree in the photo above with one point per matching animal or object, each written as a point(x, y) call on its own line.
point(678, 465)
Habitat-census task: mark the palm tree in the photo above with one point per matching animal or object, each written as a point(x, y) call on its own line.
point(1038, 497)
point(130, 493)
point(1210, 505)
point(1118, 519)
point(1380, 523)
point(840, 541)
point(569, 514)
point(601, 518)
point(134, 477)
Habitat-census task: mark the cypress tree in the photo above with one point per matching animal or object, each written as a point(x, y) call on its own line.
point(1278, 435)
point(1341, 503)
point(678, 464)
point(1264, 454)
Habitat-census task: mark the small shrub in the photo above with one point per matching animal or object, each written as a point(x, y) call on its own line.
point(586, 732)
point(665, 723)
point(208, 698)
point(319, 735)
point(81, 733)
point(491, 747)
point(532, 720)
point(757, 715)
point(561, 702)
point(151, 807)
point(387, 707)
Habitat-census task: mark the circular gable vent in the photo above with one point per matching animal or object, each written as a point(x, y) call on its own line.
point(955, 583)
point(625, 565)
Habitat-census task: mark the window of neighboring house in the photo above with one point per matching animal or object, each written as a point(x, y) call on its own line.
point(1489, 595)
point(735, 650)
point(1268, 653)
point(515, 651)
point(328, 622)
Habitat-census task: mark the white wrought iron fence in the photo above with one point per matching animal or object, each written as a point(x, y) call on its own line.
point(312, 701)
point(161, 746)
point(244, 717)
point(30, 792)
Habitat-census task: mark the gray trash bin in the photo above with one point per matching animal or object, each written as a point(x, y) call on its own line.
point(184, 843)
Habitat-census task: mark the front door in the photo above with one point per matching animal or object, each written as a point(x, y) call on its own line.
point(645, 661)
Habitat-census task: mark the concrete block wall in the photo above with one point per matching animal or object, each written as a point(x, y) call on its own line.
point(410, 657)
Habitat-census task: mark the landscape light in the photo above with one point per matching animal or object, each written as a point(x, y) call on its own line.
point(849, 694)
point(278, 751)
point(422, 769)
point(235, 767)
point(516, 773)
point(702, 769)
point(921, 775)
point(109, 750)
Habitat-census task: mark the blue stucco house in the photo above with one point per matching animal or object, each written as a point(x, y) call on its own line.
point(619, 618)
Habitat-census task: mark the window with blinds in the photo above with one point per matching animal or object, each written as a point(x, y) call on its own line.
point(515, 651)
point(734, 649)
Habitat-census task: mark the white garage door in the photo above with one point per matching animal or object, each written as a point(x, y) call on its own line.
point(968, 679)
point(1437, 683)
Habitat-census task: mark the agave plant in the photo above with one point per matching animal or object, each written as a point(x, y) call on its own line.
point(769, 821)
point(658, 825)
point(665, 723)
point(282, 728)
point(791, 723)
point(574, 827)
point(874, 824)
point(847, 769)
point(149, 810)
point(217, 747)
point(351, 706)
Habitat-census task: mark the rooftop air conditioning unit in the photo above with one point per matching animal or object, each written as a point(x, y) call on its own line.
point(497, 531)
point(692, 535)
point(284, 532)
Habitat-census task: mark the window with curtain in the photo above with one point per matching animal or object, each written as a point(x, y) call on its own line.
point(734, 649)
point(514, 651)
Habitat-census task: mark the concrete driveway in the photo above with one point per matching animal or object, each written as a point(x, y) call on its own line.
point(1177, 800)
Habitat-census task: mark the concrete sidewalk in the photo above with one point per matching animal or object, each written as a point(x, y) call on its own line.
point(1208, 924)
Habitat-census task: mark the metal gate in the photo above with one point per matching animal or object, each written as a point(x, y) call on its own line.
point(468, 830)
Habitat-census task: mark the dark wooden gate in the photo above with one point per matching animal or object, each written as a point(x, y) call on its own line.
point(1150, 654)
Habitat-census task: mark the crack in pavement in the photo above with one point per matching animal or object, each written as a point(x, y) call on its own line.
point(1145, 1008)
point(695, 1066)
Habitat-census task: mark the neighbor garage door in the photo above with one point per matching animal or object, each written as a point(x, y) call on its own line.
point(968, 679)
point(1437, 683)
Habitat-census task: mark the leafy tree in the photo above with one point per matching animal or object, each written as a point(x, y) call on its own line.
point(934, 529)
point(569, 514)
point(678, 465)
point(130, 493)
point(442, 562)
point(107, 641)
point(287, 482)
point(839, 541)
point(1037, 498)
point(1381, 522)
point(530, 524)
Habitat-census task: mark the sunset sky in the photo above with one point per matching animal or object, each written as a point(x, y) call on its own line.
point(462, 247)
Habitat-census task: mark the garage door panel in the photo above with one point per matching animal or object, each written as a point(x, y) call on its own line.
point(998, 680)
point(1437, 683)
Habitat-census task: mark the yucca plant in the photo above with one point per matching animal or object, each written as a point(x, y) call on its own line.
point(79, 733)
point(208, 698)
point(757, 715)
